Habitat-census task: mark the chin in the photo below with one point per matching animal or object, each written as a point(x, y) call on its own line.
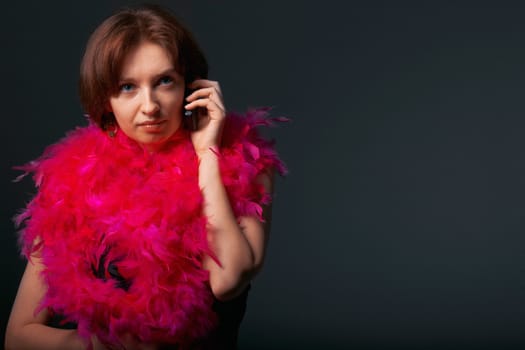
point(154, 141)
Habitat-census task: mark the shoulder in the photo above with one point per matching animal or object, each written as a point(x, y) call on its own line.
point(65, 154)
point(242, 140)
point(248, 162)
point(242, 126)
point(78, 141)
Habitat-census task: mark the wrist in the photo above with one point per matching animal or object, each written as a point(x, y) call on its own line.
point(209, 168)
point(209, 152)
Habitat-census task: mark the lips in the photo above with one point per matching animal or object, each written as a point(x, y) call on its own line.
point(153, 126)
point(152, 123)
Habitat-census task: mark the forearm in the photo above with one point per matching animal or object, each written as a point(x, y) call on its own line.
point(225, 236)
point(27, 330)
point(36, 336)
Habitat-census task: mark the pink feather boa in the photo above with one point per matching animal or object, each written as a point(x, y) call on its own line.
point(104, 200)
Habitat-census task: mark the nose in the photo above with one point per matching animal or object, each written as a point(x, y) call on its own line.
point(150, 104)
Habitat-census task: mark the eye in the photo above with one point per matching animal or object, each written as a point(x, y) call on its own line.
point(165, 80)
point(126, 87)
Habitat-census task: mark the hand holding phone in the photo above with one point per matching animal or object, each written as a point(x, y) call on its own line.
point(208, 109)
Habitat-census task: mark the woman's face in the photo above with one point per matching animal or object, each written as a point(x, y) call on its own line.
point(148, 104)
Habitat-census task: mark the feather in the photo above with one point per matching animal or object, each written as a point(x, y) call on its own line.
point(122, 234)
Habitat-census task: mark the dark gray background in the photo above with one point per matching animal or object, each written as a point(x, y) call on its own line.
point(402, 222)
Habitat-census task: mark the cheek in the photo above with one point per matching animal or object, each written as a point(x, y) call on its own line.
point(122, 111)
point(174, 99)
point(174, 106)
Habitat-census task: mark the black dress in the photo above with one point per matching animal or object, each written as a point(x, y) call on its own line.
point(224, 337)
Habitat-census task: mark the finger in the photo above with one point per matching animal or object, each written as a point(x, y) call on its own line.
point(207, 103)
point(204, 93)
point(203, 96)
point(206, 86)
point(204, 83)
point(215, 98)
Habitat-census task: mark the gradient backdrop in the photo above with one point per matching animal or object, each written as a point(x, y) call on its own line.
point(402, 222)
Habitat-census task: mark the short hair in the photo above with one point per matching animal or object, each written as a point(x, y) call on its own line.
point(117, 36)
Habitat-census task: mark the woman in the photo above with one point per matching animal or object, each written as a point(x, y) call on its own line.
point(148, 224)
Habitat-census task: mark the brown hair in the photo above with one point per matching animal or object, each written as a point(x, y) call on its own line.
point(116, 37)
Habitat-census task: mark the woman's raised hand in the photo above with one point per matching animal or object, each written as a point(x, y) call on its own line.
point(208, 98)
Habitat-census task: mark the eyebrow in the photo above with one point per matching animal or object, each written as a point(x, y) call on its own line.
point(156, 76)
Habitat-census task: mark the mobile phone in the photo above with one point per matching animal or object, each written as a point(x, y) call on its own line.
point(190, 118)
